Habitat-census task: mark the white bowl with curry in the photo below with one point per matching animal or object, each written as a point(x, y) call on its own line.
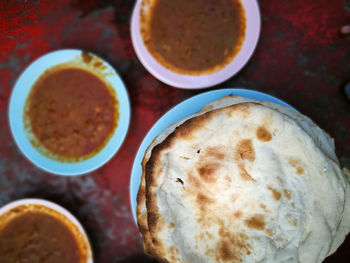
point(36, 230)
point(194, 44)
point(69, 112)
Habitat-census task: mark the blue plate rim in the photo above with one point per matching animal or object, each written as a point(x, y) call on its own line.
point(69, 169)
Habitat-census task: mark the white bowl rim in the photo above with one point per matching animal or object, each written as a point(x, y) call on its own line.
point(253, 22)
point(37, 201)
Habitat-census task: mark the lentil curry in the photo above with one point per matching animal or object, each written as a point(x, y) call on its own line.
point(36, 236)
point(193, 37)
point(72, 111)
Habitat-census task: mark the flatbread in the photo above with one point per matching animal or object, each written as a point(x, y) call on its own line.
point(243, 196)
point(141, 210)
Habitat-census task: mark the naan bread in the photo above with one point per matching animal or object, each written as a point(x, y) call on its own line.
point(242, 181)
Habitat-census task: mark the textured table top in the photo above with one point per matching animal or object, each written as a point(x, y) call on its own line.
point(301, 58)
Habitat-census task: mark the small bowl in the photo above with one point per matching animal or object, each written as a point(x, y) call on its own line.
point(171, 78)
point(18, 100)
point(30, 204)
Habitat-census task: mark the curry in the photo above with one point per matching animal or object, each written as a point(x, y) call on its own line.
point(72, 111)
point(193, 37)
point(38, 237)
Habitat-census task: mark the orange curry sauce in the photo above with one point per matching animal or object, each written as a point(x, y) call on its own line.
point(72, 112)
point(38, 237)
point(194, 37)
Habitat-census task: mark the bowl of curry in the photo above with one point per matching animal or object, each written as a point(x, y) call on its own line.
point(194, 44)
point(36, 230)
point(69, 112)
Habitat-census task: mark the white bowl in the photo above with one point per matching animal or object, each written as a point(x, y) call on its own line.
point(171, 78)
point(18, 99)
point(62, 211)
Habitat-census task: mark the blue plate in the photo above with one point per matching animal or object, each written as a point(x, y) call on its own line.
point(18, 99)
point(180, 111)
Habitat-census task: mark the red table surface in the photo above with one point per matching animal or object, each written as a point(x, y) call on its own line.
point(301, 58)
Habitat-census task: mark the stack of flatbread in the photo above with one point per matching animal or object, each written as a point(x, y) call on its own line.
point(243, 181)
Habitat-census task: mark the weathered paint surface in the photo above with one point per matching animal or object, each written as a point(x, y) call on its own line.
point(301, 58)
